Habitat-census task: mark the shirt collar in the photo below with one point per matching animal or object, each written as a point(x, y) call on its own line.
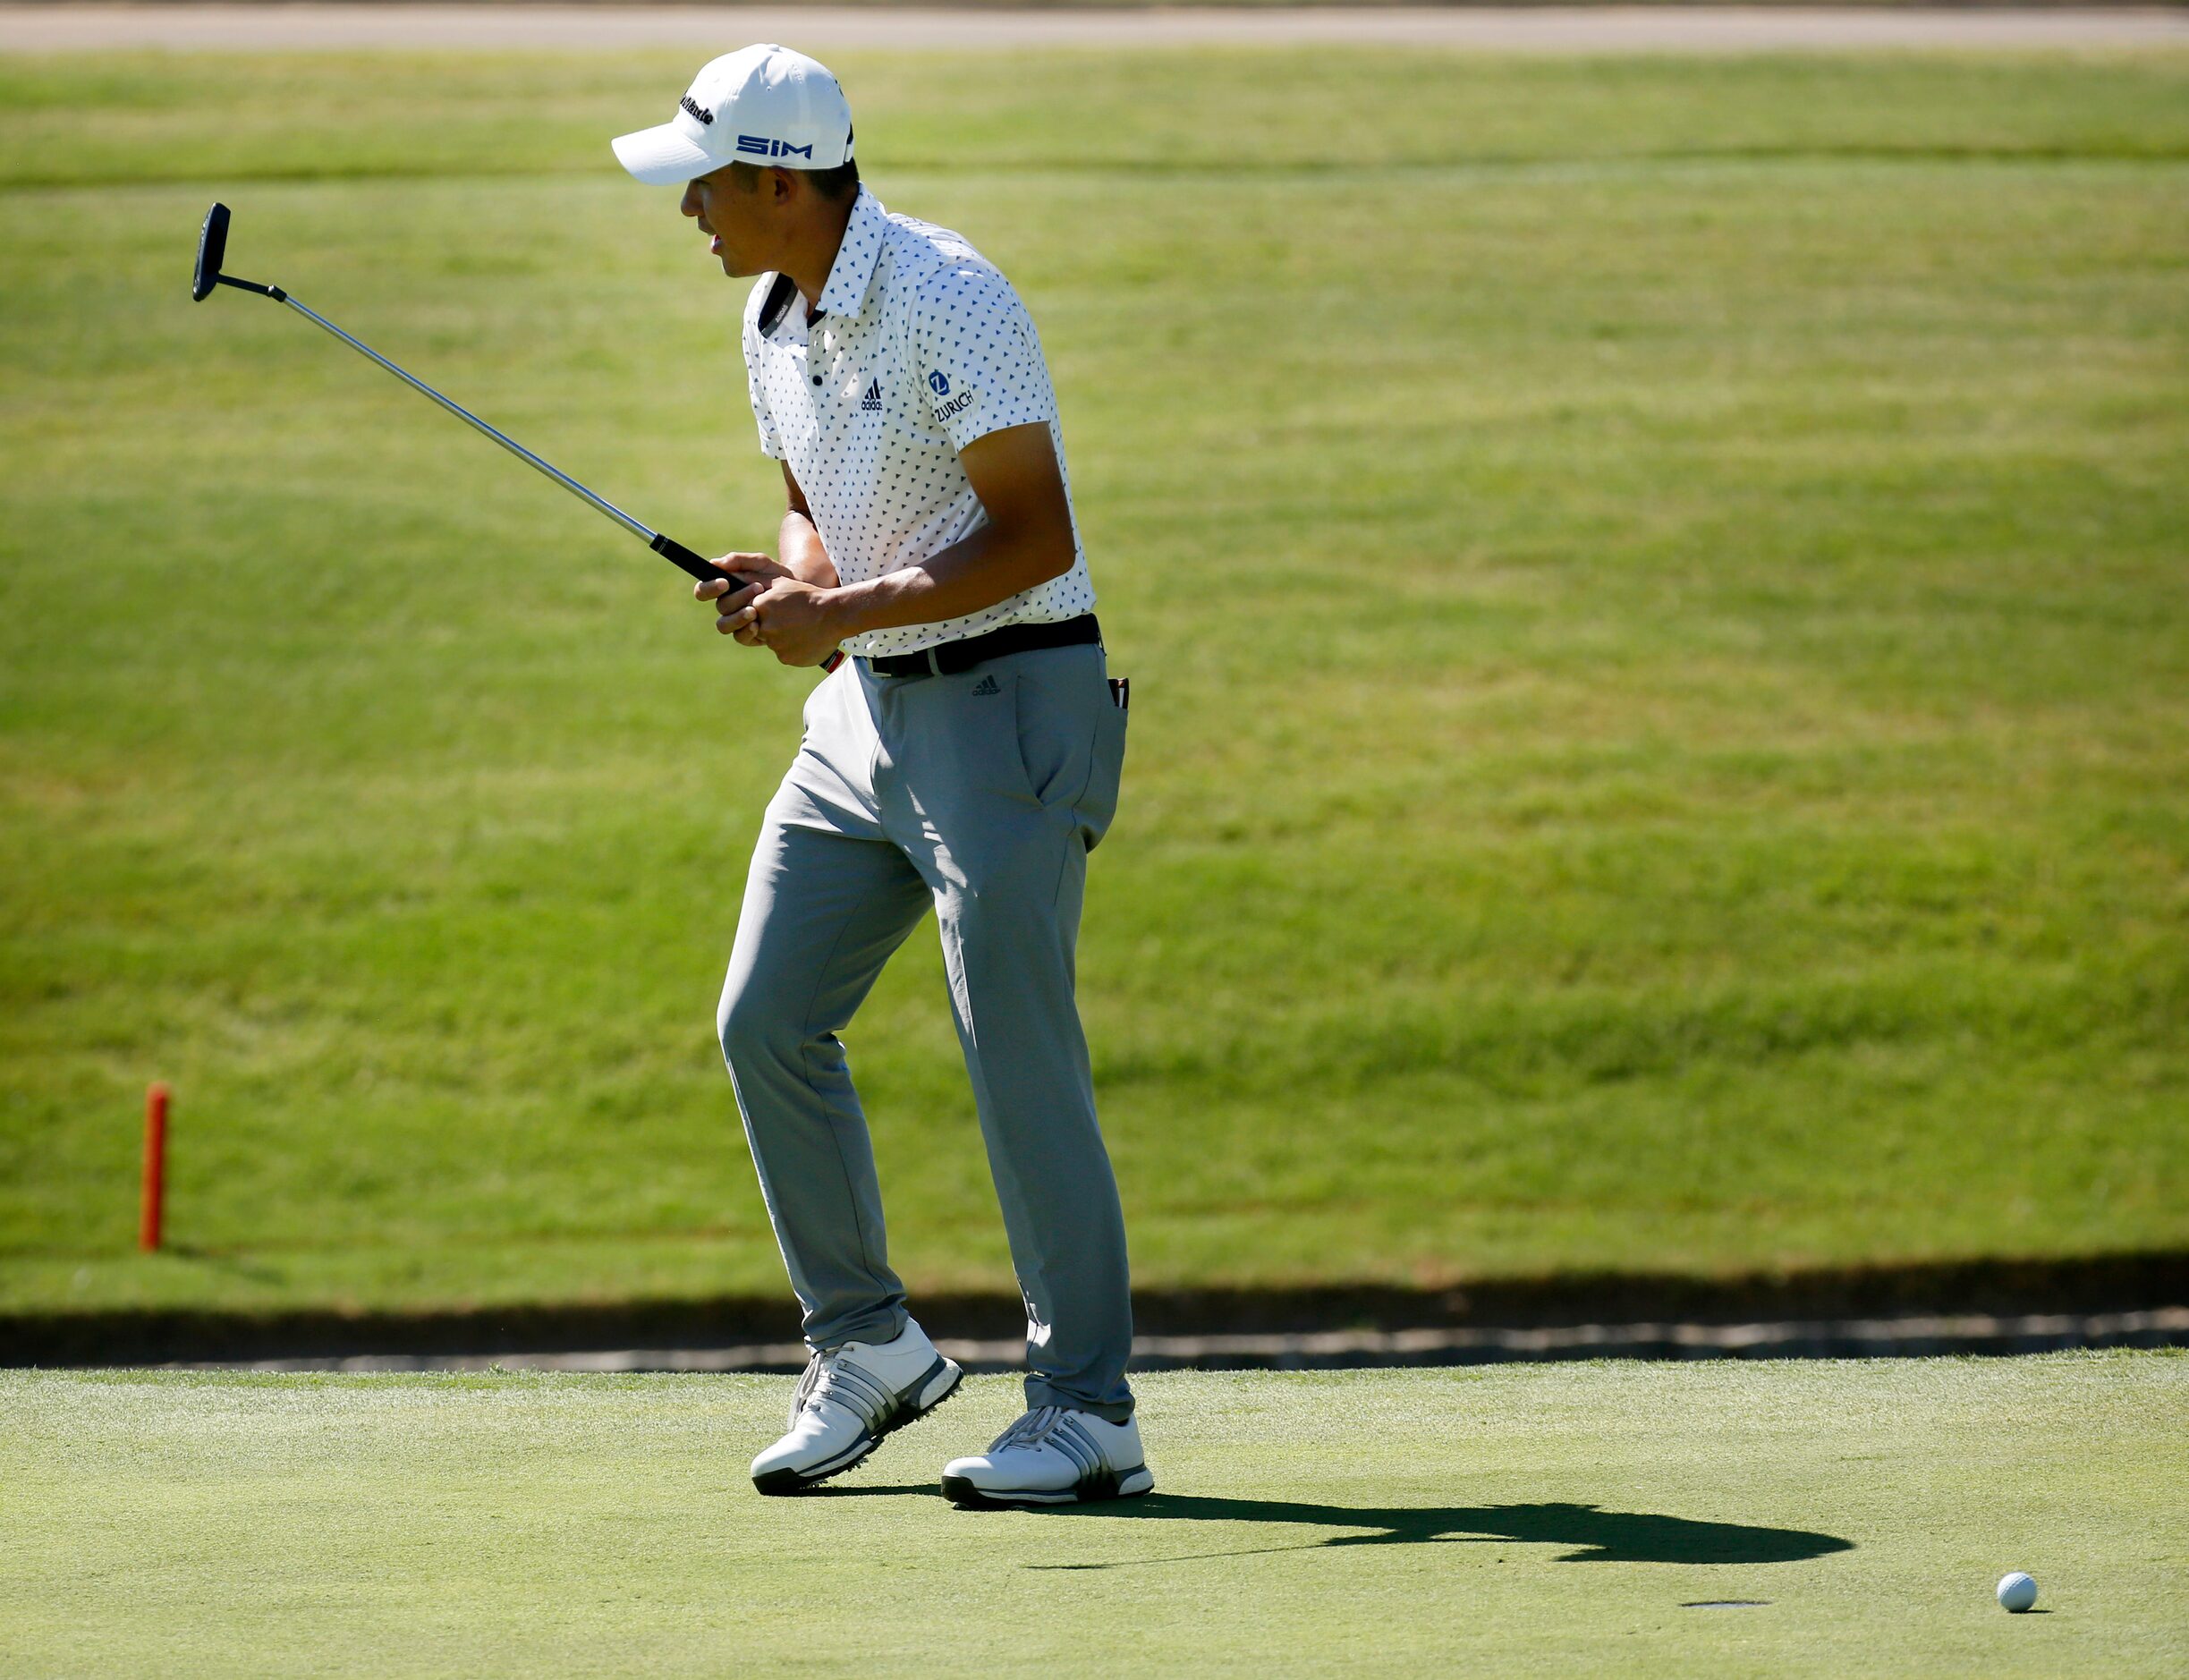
point(854, 270)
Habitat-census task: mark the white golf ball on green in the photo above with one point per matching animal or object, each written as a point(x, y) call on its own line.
point(2017, 1592)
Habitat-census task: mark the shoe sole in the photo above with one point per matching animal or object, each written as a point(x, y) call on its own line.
point(1104, 1484)
point(787, 1480)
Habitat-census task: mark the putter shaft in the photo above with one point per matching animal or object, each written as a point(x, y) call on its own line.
point(212, 250)
point(465, 414)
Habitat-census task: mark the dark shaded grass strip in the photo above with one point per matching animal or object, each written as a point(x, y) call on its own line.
point(1175, 168)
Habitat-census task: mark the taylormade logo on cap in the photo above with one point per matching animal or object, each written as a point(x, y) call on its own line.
point(763, 102)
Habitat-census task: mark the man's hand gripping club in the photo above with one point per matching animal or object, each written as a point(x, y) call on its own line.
point(766, 605)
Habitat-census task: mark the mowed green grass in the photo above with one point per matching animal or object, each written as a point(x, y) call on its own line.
point(1656, 593)
point(1552, 1519)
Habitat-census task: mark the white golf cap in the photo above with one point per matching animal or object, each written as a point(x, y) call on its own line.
point(759, 104)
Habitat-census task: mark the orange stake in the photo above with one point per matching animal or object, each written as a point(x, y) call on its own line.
point(154, 1167)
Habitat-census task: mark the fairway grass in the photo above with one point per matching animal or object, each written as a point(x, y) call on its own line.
point(1655, 591)
point(1553, 1519)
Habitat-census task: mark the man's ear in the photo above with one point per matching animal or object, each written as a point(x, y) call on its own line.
point(784, 188)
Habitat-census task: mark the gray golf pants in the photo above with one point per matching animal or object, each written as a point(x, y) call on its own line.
point(981, 793)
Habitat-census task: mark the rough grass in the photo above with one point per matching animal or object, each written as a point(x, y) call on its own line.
point(1656, 594)
point(1513, 1519)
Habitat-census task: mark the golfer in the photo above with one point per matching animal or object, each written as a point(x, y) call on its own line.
point(965, 756)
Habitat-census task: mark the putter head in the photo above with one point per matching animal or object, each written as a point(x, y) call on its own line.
point(212, 246)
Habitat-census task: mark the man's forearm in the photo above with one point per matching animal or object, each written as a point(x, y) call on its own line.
point(978, 569)
point(798, 545)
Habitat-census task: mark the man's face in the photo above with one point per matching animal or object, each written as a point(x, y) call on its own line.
point(735, 218)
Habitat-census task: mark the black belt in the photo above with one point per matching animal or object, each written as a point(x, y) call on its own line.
point(949, 658)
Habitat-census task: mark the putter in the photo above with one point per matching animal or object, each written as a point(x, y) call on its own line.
point(212, 246)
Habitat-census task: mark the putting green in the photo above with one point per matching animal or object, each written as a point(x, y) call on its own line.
point(1571, 1517)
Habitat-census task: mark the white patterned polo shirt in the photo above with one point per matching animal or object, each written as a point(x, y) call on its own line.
point(920, 347)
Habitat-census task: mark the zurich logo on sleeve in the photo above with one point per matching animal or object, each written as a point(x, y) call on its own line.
point(938, 384)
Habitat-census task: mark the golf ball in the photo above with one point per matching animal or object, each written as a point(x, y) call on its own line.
point(2017, 1592)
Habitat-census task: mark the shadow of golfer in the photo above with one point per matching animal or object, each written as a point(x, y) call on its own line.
point(1595, 1534)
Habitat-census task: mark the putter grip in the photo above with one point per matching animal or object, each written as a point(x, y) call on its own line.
point(684, 560)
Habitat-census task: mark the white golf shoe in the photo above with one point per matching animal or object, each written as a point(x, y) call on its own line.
point(1053, 1456)
point(850, 1398)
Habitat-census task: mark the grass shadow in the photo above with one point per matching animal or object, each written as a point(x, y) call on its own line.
point(855, 1490)
point(1595, 1534)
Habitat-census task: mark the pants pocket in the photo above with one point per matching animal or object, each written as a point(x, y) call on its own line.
point(1098, 803)
point(1058, 700)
